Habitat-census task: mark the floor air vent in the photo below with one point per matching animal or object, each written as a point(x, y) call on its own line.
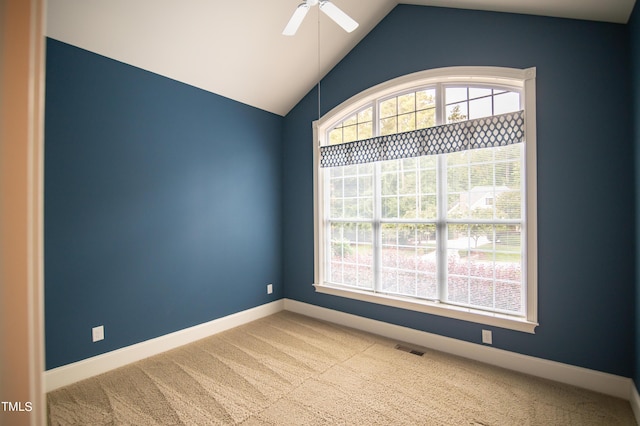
point(408, 349)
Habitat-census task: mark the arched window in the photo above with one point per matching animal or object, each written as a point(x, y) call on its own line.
point(425, 196)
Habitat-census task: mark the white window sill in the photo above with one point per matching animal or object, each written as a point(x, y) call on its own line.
point(434, 308)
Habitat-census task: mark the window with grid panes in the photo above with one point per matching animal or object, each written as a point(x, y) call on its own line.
point(444, 233)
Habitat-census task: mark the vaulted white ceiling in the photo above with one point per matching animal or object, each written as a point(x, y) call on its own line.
point(235, 47)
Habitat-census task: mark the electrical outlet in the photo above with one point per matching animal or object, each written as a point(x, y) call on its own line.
point(269, 288)
point(487, 337)
point(97, 333)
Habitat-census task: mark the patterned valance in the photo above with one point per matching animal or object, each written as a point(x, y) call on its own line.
point(494, 131)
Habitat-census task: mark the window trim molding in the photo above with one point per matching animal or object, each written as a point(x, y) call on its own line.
point(434, 308)
point(525, 79)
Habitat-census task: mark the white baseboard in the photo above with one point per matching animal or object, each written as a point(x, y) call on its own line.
point(71, 373)
point(609, 384)
point(597, 381)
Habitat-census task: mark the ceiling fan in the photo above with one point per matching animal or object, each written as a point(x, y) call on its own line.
point(330, 9)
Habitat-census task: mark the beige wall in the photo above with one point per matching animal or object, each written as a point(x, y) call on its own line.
point(21, 210)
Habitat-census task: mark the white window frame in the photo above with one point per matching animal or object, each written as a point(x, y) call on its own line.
point(525, 81)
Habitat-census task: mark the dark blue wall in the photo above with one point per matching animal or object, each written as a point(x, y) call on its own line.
point(162, 205)
point(585, 172)
point(634, 31)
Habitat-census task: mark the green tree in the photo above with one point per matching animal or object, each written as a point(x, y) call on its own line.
point(456, 115)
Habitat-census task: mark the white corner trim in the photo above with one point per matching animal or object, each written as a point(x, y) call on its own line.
point(597, 381)
point(71, 373)
point(634, 400)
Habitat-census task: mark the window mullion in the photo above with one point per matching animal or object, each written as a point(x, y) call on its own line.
point(376, 226)
point(441, 191)
point(441, 228)
point(327, 226)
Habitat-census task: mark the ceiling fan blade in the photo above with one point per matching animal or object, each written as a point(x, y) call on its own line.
point(341, 18)
point(296, 19)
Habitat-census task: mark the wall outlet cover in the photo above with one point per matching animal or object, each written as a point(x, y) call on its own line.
point(97, 333)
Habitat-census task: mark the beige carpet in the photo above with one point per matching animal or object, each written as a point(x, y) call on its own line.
point(288, 369)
